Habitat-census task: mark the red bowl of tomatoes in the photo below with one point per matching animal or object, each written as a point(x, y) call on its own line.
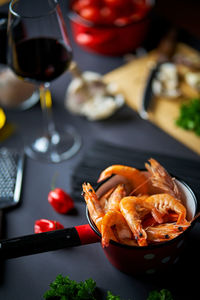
point(110, 27)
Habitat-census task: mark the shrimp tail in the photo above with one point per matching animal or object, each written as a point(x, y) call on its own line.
point(161, 179)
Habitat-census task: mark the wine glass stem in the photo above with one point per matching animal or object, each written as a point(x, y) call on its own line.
point(46, 105)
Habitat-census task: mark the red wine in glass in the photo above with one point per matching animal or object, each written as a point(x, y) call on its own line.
point(53, 59)
point(39, 52)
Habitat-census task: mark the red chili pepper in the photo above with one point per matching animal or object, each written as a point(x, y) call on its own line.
point(44, 225)
point(60, 200)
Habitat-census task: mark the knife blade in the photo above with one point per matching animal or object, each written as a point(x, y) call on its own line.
point(166, 50)
point(148, 92)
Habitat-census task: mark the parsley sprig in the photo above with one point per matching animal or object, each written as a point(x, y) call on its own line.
point(110, 296)
point(189, 117)
point(63, 288)
point(163, 294)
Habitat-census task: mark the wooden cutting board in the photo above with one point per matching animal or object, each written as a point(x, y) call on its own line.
point(2, 2)
point(131, 79)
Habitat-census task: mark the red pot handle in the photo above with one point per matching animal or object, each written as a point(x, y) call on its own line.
point(86, 234)
point(47, 241)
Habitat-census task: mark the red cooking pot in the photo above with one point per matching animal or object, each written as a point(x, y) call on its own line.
point(115, 37)
point(133, 260)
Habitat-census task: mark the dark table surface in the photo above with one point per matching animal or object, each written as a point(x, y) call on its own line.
point(28, 277)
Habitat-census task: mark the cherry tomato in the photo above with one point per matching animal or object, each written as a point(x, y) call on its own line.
point(140, 10)
point(136, 17)
point(108, 14)
point(123, 21)
point(91, 13)
point(60, 201)
point(44, 225)
point(95, 2)
point(116, 2)
point(80, 4)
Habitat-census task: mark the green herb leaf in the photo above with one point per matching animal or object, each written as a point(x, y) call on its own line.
point(62, 288)
point(189, 117)
point(164, 294)
point(110, 296)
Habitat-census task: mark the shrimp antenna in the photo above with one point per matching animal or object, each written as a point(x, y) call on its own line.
point(139, 186)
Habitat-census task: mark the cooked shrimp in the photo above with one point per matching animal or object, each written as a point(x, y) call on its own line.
point(95, 209)
point(104, 198)
point(164, 203)
point(113, 222)
point(165, 232)
point(129, 209)
point(115, 197)
point(161, 179)
point(137, 207)
point(149, 220)
point(136, 178)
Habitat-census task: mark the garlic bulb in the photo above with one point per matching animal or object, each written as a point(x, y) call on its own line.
point(166, 82)
point(92, 98)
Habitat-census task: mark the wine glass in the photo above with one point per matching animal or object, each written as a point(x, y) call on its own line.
point(39, 51)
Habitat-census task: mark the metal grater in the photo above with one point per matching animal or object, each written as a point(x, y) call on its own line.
point(11, 171)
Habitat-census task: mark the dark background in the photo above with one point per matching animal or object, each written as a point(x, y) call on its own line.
point(29, 277)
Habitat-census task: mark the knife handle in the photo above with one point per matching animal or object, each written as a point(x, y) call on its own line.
point(167, 45)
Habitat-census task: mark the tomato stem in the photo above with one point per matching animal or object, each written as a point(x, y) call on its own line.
point(53, 182)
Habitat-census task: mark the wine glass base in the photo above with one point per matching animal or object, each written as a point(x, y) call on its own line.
point(61, 146)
